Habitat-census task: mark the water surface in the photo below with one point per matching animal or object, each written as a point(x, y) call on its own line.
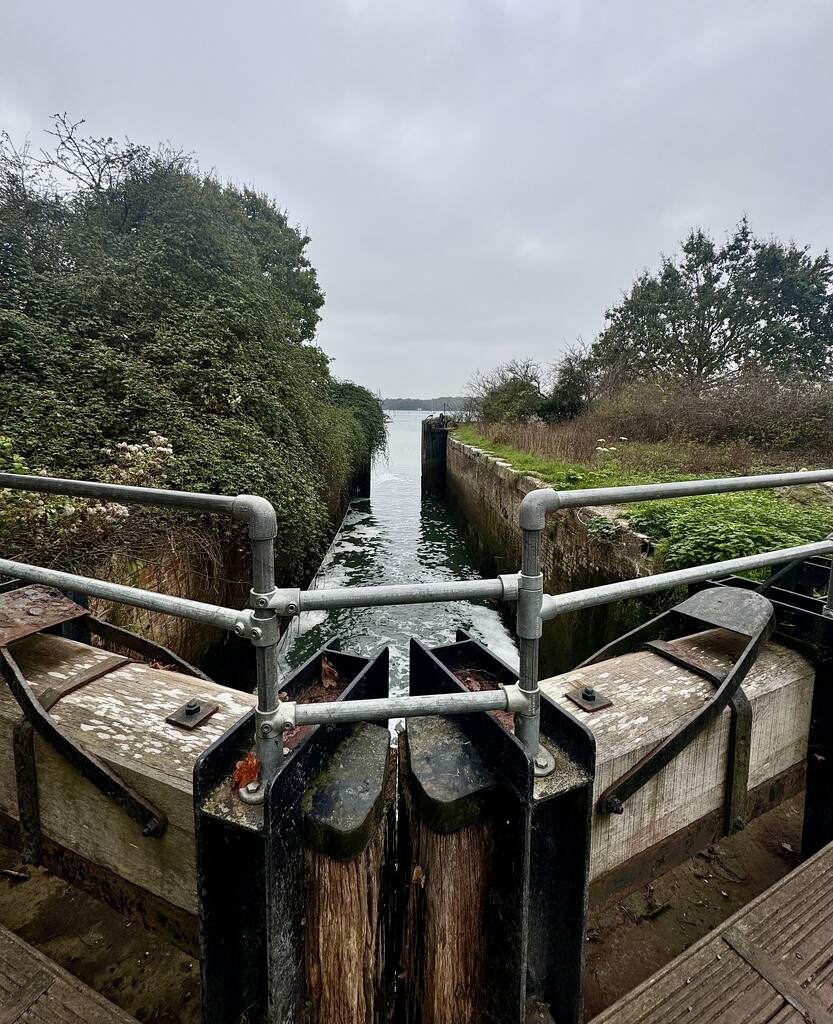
point(397, 536)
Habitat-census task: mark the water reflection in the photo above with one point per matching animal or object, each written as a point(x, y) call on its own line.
point(397, 537)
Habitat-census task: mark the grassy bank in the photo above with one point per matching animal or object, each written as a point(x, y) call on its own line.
point(687, 531)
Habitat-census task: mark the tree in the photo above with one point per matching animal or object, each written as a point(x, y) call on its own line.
point(138, 294)
point(715, 310)
point(572, 385)
point(511, 393)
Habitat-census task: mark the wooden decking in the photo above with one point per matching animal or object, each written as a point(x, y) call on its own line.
point(772, 963)
point(34, 990)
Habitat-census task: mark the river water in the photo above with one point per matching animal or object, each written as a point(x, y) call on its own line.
point(396, 536)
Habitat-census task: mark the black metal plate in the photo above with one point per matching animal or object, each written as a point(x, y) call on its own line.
point(192, 714)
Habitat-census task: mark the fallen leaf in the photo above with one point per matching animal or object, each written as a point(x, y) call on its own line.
point(246, 771)
point(329, 675)
point(418, 877)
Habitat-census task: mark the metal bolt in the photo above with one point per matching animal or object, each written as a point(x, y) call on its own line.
point(291, 608)
point(588, 693)
point(287, 726)
point(266, 728)
point(541, 762)
point(257, 633)
point(252, 787)
point(614, 805)
point(192, 707)
point(740, 823)
point(239, 629)
point(150, 828)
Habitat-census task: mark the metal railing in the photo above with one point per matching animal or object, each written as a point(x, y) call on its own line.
point(260, 622)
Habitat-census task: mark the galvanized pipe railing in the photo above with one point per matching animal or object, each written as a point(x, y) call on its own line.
point(578, 600)
point(533, 607)
point(262, 524)
point(260, 624)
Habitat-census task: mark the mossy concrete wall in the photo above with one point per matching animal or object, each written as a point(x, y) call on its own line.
point(485, 494)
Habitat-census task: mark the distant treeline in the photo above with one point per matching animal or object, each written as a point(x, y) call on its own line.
point(452, 403)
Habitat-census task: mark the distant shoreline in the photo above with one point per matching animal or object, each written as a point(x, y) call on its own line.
point(449, 403)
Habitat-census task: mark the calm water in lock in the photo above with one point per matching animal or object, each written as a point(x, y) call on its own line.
point(397, 536)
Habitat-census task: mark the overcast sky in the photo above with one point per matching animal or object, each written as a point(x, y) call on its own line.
point(480, 179)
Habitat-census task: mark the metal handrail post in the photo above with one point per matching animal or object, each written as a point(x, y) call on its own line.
point(529, 629)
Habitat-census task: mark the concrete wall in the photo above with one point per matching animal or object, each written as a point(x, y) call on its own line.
point(485, 494)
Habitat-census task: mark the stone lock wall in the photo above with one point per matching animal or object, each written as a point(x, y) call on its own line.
point(485, 494)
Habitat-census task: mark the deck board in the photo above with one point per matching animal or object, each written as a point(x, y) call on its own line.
point(771, 963)
point(35, 990)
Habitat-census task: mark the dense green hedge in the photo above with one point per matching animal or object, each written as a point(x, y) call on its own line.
point(150, 297)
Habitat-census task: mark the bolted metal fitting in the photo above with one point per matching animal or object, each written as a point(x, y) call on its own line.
point(192, 707)
point(613, 805)
point(263, 631)
point(543, 763)
point(588, 698)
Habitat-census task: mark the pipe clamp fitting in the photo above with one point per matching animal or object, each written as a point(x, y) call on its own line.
point(262, 632)
point(510, 583)
point(530, 596)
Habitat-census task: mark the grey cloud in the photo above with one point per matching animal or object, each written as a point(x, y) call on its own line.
point(480, 179)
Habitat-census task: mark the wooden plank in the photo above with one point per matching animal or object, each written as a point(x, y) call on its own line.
point(793, 929)
point(35, 990)
point(747, 970)
point(652, 697)
point(36, 657)
point(120, 717)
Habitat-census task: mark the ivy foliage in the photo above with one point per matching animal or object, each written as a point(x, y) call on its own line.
point(138, 294)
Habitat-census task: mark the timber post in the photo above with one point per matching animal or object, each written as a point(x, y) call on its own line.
point(256, 862)
point(528, 883)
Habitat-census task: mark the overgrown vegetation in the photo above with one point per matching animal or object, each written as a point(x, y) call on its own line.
point(687, 531)
point(141, 298)
point(721, 363)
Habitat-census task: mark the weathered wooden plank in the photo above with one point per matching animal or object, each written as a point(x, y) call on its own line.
point(652, 697)
point(79, 662)
point(35, 990)
point(120, 717)
point(793, 928)
point(753, 981)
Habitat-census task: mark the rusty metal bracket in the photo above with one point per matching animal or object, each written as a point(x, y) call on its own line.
point(28, 610)
point(26, 779)
point(740, 733)
point(743, 612)
point(139, 644)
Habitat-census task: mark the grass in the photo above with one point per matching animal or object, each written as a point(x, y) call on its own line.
point(687, 531)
